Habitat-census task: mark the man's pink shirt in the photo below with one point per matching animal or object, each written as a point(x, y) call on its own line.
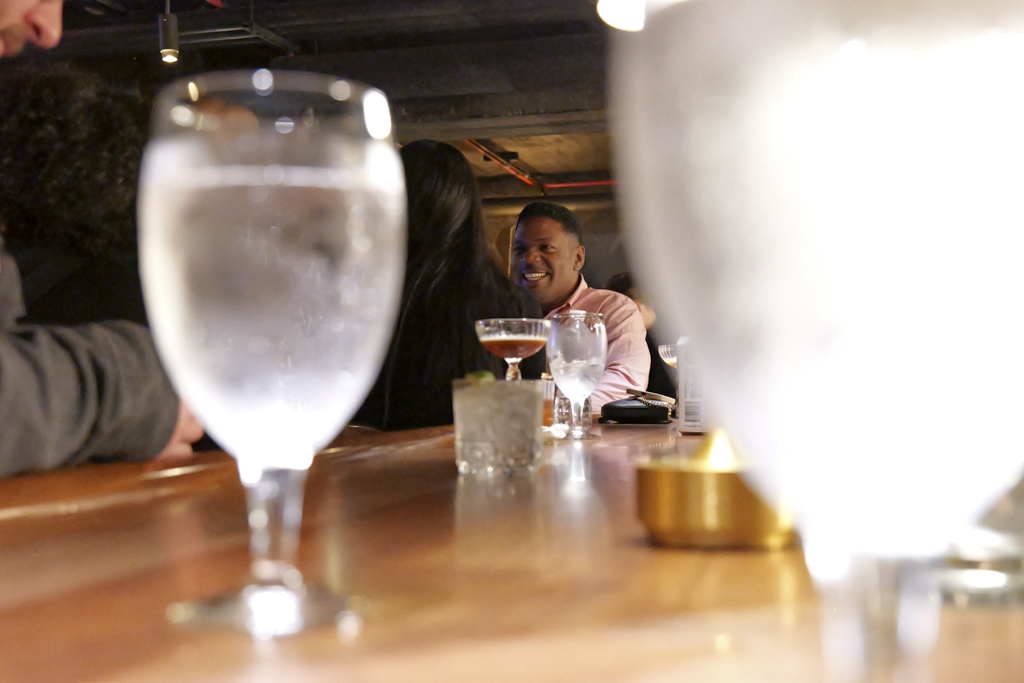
point(629, 361)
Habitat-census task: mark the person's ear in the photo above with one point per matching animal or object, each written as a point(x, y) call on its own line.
point(581, 258)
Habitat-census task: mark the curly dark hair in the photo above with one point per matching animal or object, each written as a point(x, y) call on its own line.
point(70, 148)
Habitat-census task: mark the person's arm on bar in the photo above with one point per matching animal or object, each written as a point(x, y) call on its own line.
point(629, 360)
point(71, 393)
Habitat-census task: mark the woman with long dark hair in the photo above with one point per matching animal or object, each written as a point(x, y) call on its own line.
point(451, 281)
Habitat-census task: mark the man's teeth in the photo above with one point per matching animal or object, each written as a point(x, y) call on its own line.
point(535, 276)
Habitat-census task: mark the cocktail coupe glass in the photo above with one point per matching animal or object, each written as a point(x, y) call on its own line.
point(513, 339)
point(577, 353)
point(827, 196)
point(271, 215)
point(668, 354)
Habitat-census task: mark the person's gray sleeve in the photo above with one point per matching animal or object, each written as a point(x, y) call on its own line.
point(12, 306)
point(71, 393)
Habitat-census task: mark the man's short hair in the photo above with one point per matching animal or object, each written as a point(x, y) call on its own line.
point(557, 212)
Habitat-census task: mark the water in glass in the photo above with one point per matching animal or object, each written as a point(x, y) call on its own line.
point(577, 353)
point(271, 215)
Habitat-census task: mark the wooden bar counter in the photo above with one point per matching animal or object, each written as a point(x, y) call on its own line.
point(537, 580)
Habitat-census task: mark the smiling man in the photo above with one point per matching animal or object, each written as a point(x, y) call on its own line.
point(547, 255)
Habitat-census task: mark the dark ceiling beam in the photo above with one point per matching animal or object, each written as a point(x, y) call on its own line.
point(560, 62)
point(322, 20)
point(540, 86)
point(493, 117)
point(511, 206)
point(272, 38)
point(508, 156)
point(206, 27)
point(112, 5)
point(496, 155)
point(579, 183)
point(498, 117)
point(421, 16)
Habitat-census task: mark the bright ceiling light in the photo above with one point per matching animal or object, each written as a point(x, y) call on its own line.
point(625, 15)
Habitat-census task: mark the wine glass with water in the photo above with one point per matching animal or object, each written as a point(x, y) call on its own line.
point(577, 352)
point(271, 241)
point(773, 154)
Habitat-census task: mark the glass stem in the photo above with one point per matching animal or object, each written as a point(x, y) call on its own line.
point(880, 622)
point(513, 370)
point(275, 515)
point(576, 431)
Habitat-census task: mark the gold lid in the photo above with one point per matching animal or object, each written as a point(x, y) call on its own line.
point(702, 501)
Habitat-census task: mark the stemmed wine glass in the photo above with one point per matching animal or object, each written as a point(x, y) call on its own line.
point(272, 244)
point(828, 195)
point(577, 353)
point(513, 339)
point(668, 354)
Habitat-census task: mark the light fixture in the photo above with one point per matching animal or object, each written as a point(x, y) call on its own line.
point(168, 25)
point(625, 15)
point(628, 15)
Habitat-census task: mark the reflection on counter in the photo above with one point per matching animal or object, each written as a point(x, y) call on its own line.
point(552, 525)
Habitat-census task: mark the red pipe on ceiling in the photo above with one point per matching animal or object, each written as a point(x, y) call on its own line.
point(583, 183)
point(502, 163)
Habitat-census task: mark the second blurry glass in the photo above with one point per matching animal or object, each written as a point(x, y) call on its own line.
point(577, 353)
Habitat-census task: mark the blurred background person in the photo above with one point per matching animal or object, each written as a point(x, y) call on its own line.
point(451, 281)
point(660, 380)
point(70, 149)
point(69, 394)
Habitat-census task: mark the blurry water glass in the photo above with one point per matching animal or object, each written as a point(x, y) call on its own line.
point(828, 196)
point(577, 353)
point(562, 413)
point(271, 215)
point(497, 426)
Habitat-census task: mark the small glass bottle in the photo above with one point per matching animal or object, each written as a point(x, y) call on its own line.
point(691, 411)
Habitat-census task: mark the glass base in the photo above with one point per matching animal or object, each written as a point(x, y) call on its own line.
point(981, 585)
point(880, 622)
point(268, 612)
point(494, 471)
point(576, 436)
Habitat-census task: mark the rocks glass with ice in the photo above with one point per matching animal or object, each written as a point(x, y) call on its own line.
point(497, 426)
point(271, 215)
point(577, 352)
point(513, 339)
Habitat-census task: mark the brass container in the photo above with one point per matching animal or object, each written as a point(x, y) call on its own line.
point(702, 502)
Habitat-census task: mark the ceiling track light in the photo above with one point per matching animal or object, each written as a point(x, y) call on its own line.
point(168, 25)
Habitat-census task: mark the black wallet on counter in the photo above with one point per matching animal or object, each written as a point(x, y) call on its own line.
point(632, 411)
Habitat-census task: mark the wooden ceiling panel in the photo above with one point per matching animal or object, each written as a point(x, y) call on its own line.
point(578, 152)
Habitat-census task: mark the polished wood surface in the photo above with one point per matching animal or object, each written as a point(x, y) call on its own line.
point(545, 579)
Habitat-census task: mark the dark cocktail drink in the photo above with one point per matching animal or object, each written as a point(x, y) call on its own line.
point(513, 339)
point(513, 347)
